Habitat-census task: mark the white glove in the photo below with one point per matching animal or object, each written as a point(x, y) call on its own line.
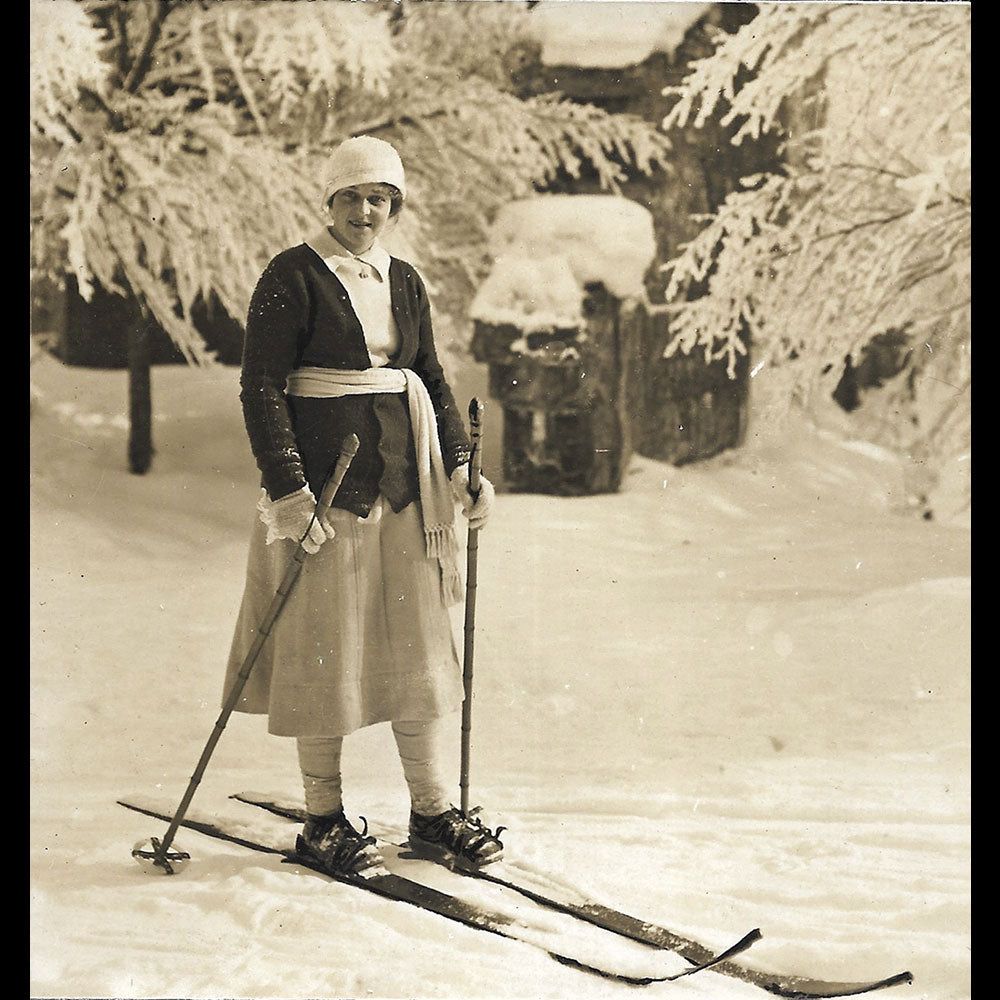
point(477, 510)
point(292, 517)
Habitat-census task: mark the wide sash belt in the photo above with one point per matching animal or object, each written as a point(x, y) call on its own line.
point(437, 501)
point(333, 382)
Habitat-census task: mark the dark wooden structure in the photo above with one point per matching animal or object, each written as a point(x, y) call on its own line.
point(683, 408)
point(102, 332)
point(579, 402)
point(566, 427)
point(678, 409)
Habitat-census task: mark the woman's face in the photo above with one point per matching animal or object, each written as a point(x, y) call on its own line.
point(359, 214)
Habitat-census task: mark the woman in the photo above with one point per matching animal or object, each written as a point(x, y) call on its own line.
point(339, 342)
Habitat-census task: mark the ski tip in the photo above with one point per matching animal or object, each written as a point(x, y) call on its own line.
point(900, 979)
point(813, 990)
point(751, 938)
point(732, 951)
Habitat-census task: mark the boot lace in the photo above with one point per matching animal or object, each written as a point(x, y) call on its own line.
point(343, 848)
point(465, 833)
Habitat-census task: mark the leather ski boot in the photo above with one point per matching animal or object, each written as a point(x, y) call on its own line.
point(332, 843)
point(460, 840)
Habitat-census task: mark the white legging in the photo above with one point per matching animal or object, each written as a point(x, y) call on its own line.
point(418, 744)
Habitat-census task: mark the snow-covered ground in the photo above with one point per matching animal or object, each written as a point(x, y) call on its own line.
point(734, 695)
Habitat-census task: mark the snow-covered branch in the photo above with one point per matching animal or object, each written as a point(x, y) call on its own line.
point(868, 227)
point(177, 146)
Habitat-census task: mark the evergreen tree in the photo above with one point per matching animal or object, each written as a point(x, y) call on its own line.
point(867, 231)
point(178, 144)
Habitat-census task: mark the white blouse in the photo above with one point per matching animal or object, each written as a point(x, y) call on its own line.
point(366, 278)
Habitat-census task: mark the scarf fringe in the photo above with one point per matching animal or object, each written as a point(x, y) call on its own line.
point(442, 544)
point(441, 541)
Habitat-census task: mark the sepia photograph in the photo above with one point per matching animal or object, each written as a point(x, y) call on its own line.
point(500, 500)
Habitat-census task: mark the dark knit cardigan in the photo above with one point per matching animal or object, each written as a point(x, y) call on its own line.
point(301, 315)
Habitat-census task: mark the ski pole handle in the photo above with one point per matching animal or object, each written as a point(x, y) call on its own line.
point(348, 449)
point(347, 452)
point(476, 455)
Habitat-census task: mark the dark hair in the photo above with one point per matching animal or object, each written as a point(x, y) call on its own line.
point(395, 197)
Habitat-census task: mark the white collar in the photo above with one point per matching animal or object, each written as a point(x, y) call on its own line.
point(334, 254)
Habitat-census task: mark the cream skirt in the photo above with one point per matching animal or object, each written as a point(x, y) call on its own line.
point(364, 637)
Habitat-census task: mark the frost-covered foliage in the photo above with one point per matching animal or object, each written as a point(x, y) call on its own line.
point(54, 84)
point(868, 230)
point(177, 179)
point(177, 146)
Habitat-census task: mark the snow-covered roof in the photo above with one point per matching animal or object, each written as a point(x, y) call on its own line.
point(609, 34)
point(532, 293)
point(547, 248)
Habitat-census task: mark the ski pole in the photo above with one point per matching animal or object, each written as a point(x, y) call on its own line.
point(336, 477)
point(472, 560)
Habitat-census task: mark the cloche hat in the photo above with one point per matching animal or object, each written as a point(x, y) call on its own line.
point(363, 159)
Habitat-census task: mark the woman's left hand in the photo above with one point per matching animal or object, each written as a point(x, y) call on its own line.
point(476, 509)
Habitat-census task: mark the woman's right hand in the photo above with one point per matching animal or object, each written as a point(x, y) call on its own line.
point(293, 516)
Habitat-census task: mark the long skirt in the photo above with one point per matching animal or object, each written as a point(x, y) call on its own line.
point(364, 637)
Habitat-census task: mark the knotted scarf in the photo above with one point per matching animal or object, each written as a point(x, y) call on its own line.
point(436, 498)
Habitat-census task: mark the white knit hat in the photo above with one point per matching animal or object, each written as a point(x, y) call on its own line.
point(363, 159)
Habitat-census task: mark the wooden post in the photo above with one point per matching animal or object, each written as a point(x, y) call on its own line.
point(140, 400)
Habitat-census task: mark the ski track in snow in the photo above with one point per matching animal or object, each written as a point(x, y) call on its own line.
point(736, 694)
